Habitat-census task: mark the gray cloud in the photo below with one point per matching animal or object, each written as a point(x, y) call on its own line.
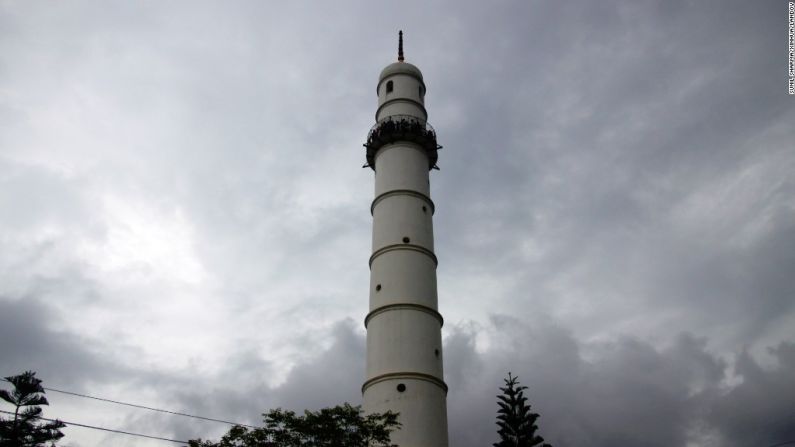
point(618, 392)
point(31, 343)
point(614, 392)
point(758, 411)
point(184, 219)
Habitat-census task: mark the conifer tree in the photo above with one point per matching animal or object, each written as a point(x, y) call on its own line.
point(23, 430)
point(516, 422)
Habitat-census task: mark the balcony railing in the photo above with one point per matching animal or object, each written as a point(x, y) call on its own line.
point(402, 128)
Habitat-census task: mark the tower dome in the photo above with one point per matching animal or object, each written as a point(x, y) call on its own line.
point(400, 67)
point(401, 90)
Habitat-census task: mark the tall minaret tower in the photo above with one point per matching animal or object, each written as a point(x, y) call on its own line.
point(404, 340)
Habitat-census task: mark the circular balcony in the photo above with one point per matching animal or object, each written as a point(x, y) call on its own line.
point(395, 128)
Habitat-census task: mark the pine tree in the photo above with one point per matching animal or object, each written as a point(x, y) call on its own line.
point(22, 430)
point(517, 424)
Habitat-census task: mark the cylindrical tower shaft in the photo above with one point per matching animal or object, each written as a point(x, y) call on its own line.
point(404, 345)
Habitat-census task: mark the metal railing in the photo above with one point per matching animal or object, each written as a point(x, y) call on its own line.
point(396, 128)
point(403, 123)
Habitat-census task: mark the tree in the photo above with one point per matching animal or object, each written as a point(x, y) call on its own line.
point(22, 430)
point(337, 426)
point(517, 424)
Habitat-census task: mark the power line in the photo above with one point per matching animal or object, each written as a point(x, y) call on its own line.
point(107, 429)
point(143, 407)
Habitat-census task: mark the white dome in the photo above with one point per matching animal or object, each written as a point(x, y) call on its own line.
point(400, 68)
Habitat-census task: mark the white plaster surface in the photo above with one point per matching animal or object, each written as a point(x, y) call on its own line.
point(410, 93)
point(401, 166)
point(404, 342)
point(391, 270)
point(396, 217)
point(422, 408)
point(402, 108)
point(402, 87)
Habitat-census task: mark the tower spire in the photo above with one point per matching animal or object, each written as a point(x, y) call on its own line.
point(400, 46)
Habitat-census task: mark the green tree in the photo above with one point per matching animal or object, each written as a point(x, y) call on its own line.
point(517, 423)
point(343, 425)
point(23, 430)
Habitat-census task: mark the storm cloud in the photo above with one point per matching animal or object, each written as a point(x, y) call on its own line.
point(184, 222)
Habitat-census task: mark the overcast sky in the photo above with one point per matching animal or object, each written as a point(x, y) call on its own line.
point(184, 220)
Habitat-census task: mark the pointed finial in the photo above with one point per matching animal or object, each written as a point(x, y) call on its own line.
point(400, 46)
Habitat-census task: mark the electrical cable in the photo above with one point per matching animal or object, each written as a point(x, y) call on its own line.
point(68, 424)
point(143, 407)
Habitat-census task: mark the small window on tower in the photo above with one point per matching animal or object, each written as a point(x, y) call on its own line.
point(389, 86)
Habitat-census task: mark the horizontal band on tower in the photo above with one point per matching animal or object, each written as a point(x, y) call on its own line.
point(396, 100)
point(402, 192)
point(410, 247)
point(404, 306)
point(405, 375)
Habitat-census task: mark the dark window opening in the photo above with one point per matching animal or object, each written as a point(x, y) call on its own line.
point(424, 209)
point(389, 86)
point(401, 388)
point(378, 287)
point(406, 240)
point(436, 353)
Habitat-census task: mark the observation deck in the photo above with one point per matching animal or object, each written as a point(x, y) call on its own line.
point(395, 128)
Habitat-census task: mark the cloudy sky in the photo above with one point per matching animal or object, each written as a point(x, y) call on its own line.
point(184, 221)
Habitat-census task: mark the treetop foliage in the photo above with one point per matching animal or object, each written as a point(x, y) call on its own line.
point(343, 425)
point(517, 424)
point(22, 430)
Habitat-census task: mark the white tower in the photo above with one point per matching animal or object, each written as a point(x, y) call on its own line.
point(404, 340)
